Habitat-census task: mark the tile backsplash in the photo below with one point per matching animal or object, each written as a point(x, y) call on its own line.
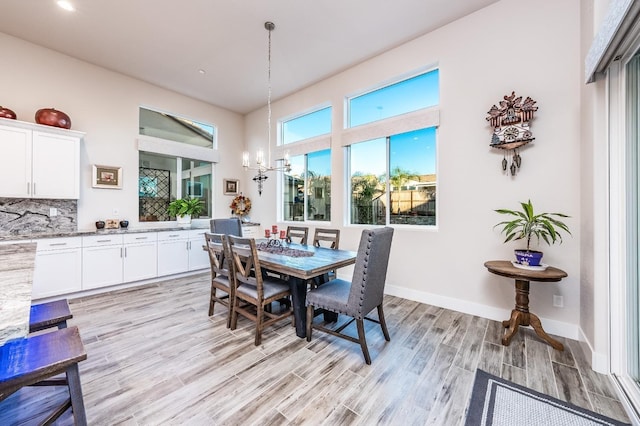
point(30, 215)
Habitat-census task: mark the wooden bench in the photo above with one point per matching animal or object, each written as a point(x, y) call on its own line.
point(50, 314)
point(34, 359)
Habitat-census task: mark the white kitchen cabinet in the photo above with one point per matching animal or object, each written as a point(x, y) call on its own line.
point(173, 252)
point(140, 256)
point(39, 161)
point(58, 267)
point(251, 231)
point(102, 260)
point(198, 257)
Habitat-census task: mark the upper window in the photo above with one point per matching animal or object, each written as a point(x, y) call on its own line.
point(307, 187)
point(174, 128)
point(393, 179)
point(409, 95)
point(307, 126)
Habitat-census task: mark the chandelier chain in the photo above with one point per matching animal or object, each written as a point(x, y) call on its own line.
point(270, 26)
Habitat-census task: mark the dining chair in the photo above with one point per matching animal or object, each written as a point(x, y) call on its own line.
point(254, 288)
point(298, 232)
point(326, 237)
point(360, 296)
point(228, 226)
point(221, 272)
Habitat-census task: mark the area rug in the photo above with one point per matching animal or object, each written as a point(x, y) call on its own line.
point(498, 402)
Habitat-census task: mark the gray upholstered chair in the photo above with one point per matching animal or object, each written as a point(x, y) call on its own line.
point(360, 296)
point(231, 226)
point(221, 272)
point(254, 288)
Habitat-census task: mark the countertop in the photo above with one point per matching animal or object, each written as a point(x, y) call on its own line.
point(80, 233)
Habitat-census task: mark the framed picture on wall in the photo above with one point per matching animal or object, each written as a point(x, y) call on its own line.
point(107, 177)
point(230, 186)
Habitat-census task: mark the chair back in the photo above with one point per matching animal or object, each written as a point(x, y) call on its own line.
point(231, 226)
point(370, 272)
point(245, 263)
point(300, 233)
point(330, 237)
point(219, 255)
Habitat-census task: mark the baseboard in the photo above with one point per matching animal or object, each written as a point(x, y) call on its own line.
point(558, 328)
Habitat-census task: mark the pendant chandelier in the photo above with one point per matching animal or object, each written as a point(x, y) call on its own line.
point(262, 166)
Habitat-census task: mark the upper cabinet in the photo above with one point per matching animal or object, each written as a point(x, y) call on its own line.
point(39, 161)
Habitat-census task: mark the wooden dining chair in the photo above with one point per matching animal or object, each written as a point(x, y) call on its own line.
point(326, 238)
point(221, 272)
point(360, 296)
point(254, 288)
point(297, 234)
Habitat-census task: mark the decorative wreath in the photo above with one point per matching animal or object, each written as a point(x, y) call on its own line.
point(240, 205)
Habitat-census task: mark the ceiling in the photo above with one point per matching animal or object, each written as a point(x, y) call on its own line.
point(167, 42)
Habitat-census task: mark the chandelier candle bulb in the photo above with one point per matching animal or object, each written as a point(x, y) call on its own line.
point(245, 159)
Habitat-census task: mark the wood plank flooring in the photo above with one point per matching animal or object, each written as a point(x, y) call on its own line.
point(156, 358)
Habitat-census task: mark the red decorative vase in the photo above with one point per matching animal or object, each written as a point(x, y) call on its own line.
point(7, 113)
point(53, 117)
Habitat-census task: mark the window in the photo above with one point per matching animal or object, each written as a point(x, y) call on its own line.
point(174, 128)
point(165, 178)
point(307, 126)
point(307, 187)
point(421, 91)
point(393, 179)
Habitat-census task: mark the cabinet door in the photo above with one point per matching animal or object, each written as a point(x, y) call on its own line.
point(56, 166)
point(101, 266)
point(198, 256)
point(57, 272)
point(140, 261)
point(15, 162)
point(173, 256)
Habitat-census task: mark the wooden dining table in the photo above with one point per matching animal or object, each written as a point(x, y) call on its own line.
point(300, 269)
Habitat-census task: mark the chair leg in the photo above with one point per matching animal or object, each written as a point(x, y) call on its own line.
point(383, 323)
point(259, 320)
point(310, 312)
point(363, 341)
point(75, 391)
point(234, 314)
point(212, 301)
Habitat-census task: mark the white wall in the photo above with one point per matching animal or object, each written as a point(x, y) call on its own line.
point(533, 49)
point(104, 104)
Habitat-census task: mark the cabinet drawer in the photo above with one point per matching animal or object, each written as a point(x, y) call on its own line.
point(101, 240)
point(173, 235)
point(197, 234)
point(59, 243)
point(143, 237)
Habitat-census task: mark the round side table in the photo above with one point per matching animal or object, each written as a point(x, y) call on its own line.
point(520, 315)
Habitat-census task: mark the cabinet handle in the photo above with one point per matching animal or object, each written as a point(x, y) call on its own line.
point(28, 188)
point(121, 252)
point(34, 188)
point(57, 244)
point(103, 241)
point(141, 238)
point(173, 235)
point(125, 252)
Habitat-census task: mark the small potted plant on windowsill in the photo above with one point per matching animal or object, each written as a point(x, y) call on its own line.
point(526, 224)
point(183, 209)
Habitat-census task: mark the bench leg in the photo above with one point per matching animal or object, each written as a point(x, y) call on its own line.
point(75, 391)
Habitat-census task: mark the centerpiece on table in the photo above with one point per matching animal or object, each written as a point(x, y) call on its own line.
point(525, 224)
point(241, 206)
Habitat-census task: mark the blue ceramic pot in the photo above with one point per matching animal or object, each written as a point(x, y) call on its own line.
point(528, 258)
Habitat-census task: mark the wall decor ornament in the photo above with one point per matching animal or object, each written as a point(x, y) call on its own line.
point(510, 122)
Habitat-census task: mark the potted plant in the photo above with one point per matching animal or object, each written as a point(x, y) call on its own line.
point(526, 224)
point(184, 209)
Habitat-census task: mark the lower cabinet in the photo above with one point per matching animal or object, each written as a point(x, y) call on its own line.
point(173, 252)
point(58, 267)
point(251, 231)
point(198, 256)
point(102, 260)
point(140, 258)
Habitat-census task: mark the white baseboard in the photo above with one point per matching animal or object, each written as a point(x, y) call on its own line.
point(559, 328)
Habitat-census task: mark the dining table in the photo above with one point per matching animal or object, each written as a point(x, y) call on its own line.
point(300, 263)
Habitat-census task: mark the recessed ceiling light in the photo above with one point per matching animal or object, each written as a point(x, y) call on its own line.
point(201, 71)
point(66, 5)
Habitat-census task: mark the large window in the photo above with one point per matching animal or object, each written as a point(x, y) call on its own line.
point(306, 126)
point(307, 187)
point(393, 179)
point(419, 92)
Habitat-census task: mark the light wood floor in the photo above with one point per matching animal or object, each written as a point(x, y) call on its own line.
point(156, 358)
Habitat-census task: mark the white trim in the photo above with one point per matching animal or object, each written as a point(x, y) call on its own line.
point(318, 143)
point(177, 149)
point(559, 328)
point(420, 119)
